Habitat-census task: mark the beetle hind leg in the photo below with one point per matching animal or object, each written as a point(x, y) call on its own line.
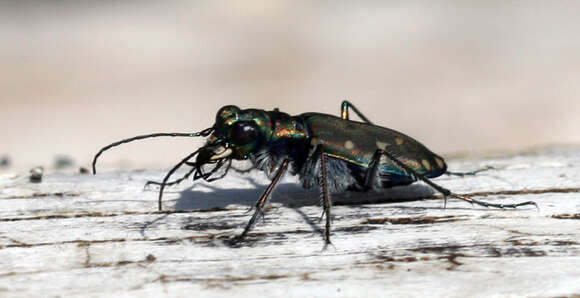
point(471, 173)
point(348, 105)
point(447, 192)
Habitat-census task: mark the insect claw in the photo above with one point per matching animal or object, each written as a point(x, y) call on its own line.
point(148, 183)
point(326, 244)
point(234, 241)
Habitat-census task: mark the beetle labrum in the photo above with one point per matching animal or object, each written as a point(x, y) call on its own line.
point(335, 153)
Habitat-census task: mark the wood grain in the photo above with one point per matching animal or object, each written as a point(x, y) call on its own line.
point(79, 235)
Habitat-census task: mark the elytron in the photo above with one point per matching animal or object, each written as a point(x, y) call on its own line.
point(334, 153)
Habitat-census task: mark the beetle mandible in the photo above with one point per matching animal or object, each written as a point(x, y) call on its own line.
point(335, 153)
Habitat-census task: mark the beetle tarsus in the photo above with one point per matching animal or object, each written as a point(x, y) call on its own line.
point(175, 182)
point(327, 244)
point(471, 173)
point(259, 206)
point(493, 205)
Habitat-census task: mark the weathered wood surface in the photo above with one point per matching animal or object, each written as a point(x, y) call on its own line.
point(79, 235)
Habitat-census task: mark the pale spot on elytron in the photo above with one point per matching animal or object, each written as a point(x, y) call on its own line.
point(348, 145)
point(314, 142)
point(399, 141)
point(382, 145)
point(439, 162)
point(426, 164)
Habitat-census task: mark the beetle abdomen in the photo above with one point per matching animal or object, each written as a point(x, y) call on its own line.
point(357, 142)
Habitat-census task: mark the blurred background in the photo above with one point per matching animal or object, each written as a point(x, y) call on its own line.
point(460, 76)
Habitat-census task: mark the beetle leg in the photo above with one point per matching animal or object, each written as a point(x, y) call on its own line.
point(371, 173)
point(208, 175)
point(447, 192)
point(461, 174)
point(177, 166)
point(344, 111)
point(172, 182)
point(327, 203)
point(262, 201)
point(205, 176)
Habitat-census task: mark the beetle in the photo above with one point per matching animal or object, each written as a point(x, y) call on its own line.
point(335, 153)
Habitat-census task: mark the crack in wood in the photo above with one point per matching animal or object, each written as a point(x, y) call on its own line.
point(252, 237)
point(43, 195)
point(228, 281)
point(452, 252)
point(103, 214)
point(148, 259)
point(566, 216)
point(451, 258)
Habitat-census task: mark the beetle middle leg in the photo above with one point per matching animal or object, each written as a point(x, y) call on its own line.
point(326, 202)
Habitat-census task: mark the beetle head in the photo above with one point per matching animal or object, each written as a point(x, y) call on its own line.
point(238, 133)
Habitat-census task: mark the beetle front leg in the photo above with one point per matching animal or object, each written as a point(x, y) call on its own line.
point(344, 111)
point(262, 201)
point(198, 174)
point(150, 182)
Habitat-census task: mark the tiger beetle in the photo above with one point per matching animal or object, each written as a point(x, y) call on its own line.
point(335, 153)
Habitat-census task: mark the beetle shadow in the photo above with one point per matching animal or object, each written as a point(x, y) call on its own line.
point(290, 194)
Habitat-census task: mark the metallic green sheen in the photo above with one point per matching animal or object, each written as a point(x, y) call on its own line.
point(364, 139)
point(351, 141)
point(274, 127)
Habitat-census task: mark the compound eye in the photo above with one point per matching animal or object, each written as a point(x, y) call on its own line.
point(243, 132)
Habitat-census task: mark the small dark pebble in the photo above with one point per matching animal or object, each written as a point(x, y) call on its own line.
point(83, 170)
point(5, 162)
point(150, 258)
point(63, 162)
point(36, 174)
